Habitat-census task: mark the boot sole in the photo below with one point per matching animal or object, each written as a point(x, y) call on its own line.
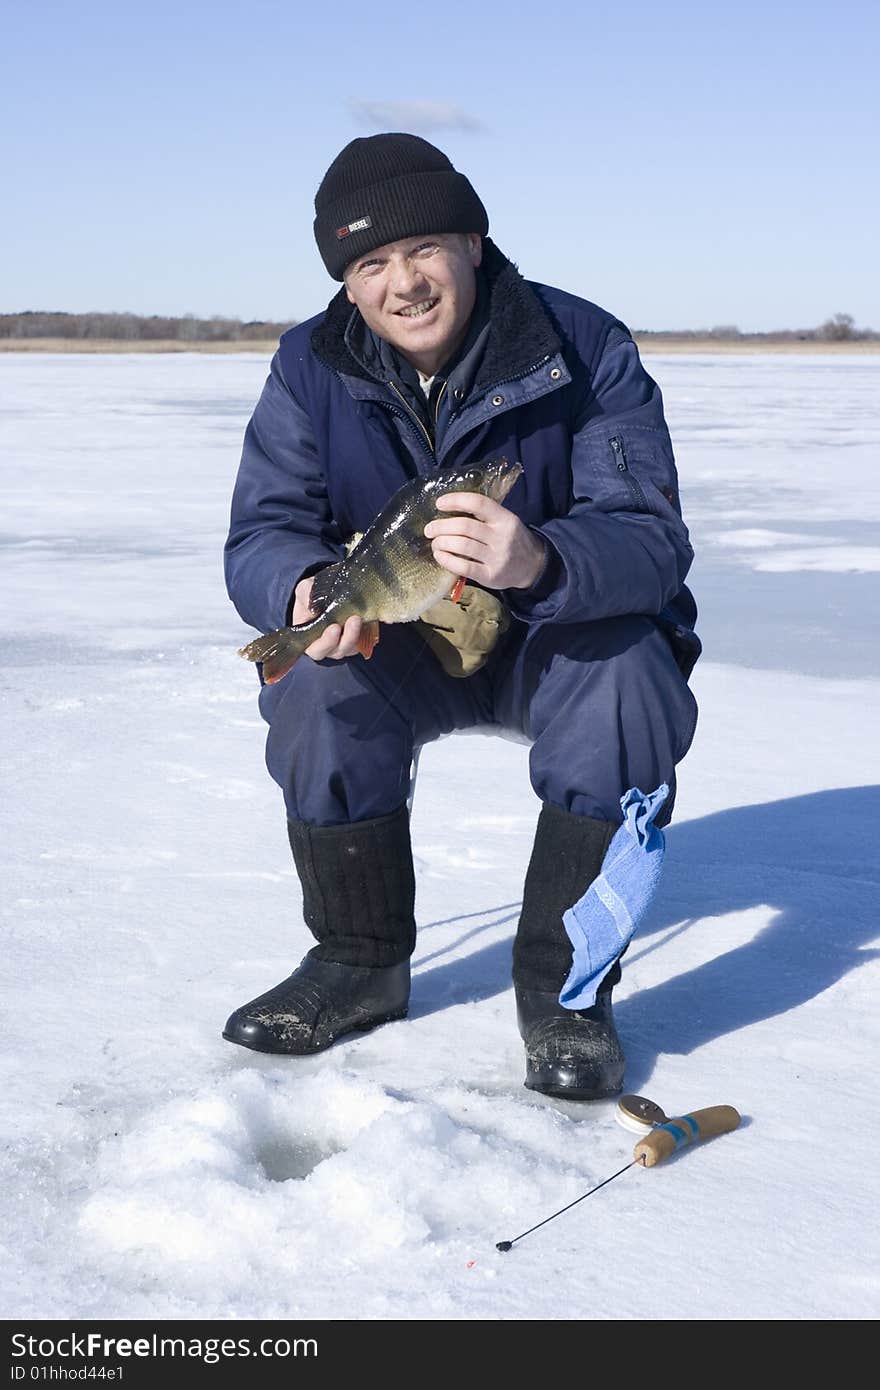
point(281, 1051)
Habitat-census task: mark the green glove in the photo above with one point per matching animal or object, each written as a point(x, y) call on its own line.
point(461, 635)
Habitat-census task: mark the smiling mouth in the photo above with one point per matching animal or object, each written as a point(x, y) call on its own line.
point(417, 311)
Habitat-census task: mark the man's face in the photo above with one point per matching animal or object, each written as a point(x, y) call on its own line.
point(418, 294)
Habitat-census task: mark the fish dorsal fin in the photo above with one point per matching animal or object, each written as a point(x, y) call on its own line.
point(323, 586)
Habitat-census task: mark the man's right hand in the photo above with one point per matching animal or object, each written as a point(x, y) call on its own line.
point(336, 641)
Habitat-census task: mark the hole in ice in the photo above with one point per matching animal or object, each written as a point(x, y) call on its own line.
point(282, 1162)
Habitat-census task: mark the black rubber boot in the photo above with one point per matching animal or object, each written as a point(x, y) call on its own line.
point(359, 902)
point(569, 1052)
point(318, 1003)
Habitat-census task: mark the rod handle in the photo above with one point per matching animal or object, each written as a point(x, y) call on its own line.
point(683, 1130)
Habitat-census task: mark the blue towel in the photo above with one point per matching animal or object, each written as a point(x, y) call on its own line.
point(602, 922)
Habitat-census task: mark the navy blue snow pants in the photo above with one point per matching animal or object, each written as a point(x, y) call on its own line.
point(603, 705)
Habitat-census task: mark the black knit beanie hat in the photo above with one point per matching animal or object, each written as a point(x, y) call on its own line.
point(383, 188)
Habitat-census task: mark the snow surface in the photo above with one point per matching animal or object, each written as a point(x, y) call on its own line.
point(151, 1170)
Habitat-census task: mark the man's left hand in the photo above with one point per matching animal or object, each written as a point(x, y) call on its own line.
point(489, 544)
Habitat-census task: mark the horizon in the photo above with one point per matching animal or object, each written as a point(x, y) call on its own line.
point(655, 163)
point(704, 330)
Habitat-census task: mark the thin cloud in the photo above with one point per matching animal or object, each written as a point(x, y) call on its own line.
point(416, 117)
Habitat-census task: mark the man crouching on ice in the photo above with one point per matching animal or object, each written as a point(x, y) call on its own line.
point(575, 629)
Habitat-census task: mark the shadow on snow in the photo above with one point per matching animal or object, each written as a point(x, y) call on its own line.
point(812, 860)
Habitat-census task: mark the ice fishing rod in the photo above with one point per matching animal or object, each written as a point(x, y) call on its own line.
point(663, 1136)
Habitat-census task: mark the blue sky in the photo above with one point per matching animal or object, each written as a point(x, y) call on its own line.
point(683, 165)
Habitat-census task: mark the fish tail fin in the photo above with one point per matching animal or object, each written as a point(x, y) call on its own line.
point(368, 639)
point(277, 651)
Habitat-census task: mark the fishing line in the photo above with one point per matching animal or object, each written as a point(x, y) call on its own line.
point(507, 1244)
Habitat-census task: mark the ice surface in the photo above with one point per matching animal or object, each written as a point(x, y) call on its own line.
point(149, 1169)
point(780, 482)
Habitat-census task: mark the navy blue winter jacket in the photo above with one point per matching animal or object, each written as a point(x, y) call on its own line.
point(559, 387)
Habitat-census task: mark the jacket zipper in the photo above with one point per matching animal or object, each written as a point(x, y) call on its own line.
point(635, 486)
point(411, 414)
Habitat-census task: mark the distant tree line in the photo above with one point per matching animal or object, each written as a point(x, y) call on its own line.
point(130, 327)
point(840, 328)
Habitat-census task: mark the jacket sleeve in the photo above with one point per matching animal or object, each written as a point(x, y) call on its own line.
point(622, 547)
point(281, 526)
